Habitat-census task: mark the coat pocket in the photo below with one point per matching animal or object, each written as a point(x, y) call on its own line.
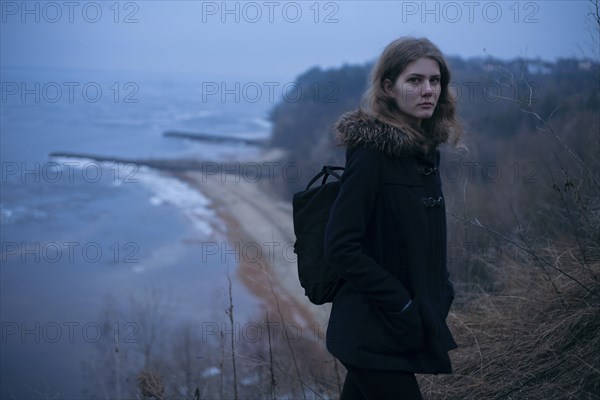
point(394, 332)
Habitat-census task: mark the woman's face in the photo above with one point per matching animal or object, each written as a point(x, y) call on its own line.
point(416, 90)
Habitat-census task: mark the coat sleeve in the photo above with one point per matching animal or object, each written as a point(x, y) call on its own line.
point(346, 228)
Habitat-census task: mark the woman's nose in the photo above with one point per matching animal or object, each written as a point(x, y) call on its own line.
point(427, 88)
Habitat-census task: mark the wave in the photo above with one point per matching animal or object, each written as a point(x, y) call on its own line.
point(164, 189)
point(169, 190)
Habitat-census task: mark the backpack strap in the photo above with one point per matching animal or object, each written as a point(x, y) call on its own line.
point(325, 172)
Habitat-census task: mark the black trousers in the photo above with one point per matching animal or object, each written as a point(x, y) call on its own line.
point(368, 384)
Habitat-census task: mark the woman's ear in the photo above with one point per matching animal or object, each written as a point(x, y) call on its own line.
point(388, 87)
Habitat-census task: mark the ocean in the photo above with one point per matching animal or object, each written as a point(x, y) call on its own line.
point(99, 255)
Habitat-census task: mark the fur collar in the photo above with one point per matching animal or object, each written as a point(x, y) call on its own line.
point(356, 128)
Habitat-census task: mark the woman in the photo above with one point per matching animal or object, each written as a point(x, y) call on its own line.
point(386, 232)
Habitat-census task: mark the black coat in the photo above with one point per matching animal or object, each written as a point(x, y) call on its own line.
point(386, 235)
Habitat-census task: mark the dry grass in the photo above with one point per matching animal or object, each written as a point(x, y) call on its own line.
point(528, 342)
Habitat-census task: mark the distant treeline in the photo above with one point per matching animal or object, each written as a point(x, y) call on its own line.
point(496, 99)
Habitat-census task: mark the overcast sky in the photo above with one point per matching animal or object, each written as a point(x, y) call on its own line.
point(279, 39)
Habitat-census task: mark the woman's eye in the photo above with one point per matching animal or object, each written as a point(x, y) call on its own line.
point(435, 80)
